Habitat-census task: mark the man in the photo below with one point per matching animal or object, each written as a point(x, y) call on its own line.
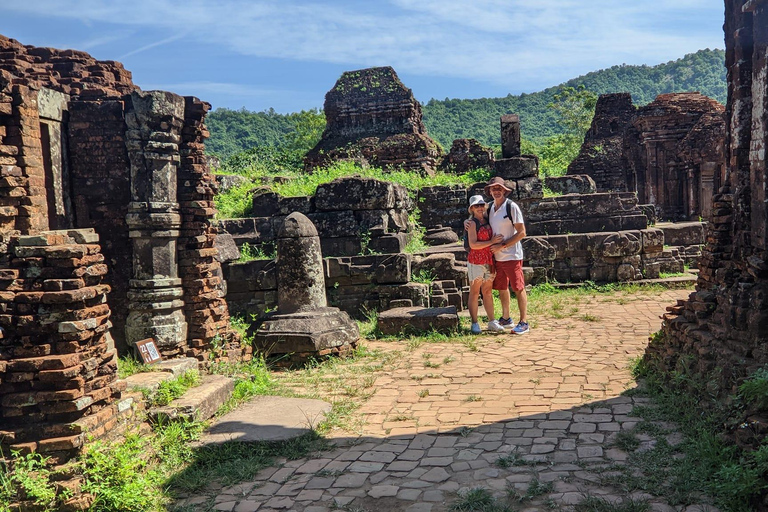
point(506, 219)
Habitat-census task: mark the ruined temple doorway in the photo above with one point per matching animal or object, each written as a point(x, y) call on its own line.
point(53, 132)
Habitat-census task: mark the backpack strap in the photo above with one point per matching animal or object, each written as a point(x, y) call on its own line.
point(509, 211)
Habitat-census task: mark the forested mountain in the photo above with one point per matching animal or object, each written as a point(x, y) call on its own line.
point(449, 119)
point(233, 131)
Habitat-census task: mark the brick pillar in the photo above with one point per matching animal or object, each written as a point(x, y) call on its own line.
point(57, 359)
point(206, 310)
point(154, 122)
point(23, 203)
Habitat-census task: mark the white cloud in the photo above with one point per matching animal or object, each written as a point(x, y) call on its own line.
point(520, 44)
point(221, 88)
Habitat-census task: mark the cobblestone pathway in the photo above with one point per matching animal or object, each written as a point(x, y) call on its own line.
point(548, 404)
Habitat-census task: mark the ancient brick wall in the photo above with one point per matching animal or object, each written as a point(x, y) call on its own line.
point(352, 215)
point(466, 155)
point(372, 117)
point(68, 71)
point(720, 333)
point(101, 190)
point(23, 204)
point(356, 284)
point(576, 213)
point(58, 364)
point(204, 305)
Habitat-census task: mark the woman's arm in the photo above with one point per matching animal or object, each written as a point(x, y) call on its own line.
point(473, 241)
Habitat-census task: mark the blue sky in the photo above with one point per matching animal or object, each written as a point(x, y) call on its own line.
point(286, 54)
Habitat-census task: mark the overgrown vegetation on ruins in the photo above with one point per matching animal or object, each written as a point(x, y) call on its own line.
point(147, 471)
point(702, 460)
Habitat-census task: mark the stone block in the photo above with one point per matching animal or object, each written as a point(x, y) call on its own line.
point(683, 233)
point(356, 193)
point(571, 184)
point(395, 269)
point(389, 243)
point(419, 320)
point(516, 168)
point(301, 204)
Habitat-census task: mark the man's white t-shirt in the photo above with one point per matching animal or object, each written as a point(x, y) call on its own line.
point(502, 225)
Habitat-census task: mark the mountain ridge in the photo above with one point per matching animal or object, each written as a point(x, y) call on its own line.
point(703, 71)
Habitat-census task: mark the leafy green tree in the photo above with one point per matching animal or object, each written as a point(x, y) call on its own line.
point(308, 126)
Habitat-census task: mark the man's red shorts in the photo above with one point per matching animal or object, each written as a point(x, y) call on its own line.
point(509, 273)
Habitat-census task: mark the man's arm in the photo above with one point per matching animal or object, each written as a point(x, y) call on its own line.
point(519, 235)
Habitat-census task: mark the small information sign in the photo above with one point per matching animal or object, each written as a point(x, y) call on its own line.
point(148, 351)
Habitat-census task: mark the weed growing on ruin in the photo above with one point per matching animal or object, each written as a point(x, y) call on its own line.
point(29, 478)
point(172, 389)
point(416, 242)
point(129, 365)
point(425, 275)
point(754, 390)
point(250, 252)
point(241, 325)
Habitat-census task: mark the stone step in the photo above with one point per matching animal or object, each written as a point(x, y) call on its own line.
point(198, 403)
point(148, 382)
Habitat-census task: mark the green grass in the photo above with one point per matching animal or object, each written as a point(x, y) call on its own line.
point(597, 504)
point(704, 463)
point(172, 389)
point(477, 499)
point(128, 365)
point(512, 460)
point(250, 252)
point(236, 202)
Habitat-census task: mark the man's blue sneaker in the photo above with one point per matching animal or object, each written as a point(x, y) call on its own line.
point(521, 328)
point(506, 323)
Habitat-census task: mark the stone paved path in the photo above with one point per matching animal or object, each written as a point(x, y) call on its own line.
point(548, 404)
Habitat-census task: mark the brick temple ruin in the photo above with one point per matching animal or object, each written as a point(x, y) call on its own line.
point(720, 334)
point(373, 119)
point(671, 151)
point(106, 209)
point(363, 228)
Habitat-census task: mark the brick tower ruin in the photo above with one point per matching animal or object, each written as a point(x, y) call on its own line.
point(106, 208)
point(373, 118)
point(720, 334)
point(670, 151)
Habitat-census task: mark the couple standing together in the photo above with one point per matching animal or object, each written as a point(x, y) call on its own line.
point(495, 258)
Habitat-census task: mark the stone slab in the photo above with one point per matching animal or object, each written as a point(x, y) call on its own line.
point(416, 319)
point(268, 418)
point(198, 403)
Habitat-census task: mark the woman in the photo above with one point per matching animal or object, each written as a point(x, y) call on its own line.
point(480, 264)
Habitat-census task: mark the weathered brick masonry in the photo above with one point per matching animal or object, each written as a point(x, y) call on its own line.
point(89, 163)
point(670, 151)
point(58, 364)
point(721, 332)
